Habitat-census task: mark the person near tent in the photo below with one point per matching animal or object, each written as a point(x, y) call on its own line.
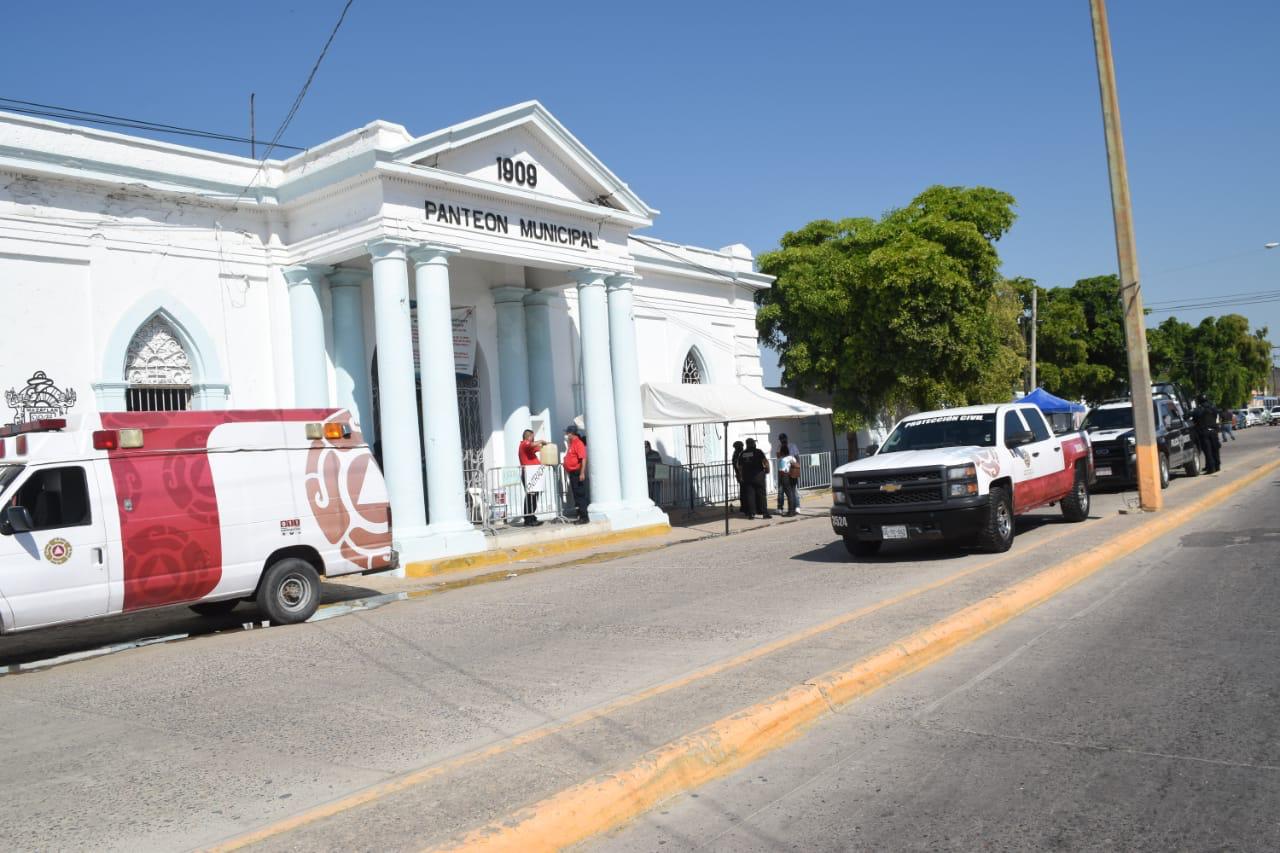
point(735, 463)
point(531, 474)
point(782, 451)
point(789, 481)
point(755, 471)
point(652, 459)
point(575, 467)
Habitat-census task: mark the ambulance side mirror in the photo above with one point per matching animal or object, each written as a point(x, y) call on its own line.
point(17, 519)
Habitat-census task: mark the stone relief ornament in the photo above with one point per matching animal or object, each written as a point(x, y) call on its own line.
point(156, 357)
point(40, 398)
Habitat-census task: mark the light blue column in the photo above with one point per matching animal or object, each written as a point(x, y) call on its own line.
point(626, 394)
point(349, 359)
point(441, 435)
point(397, 398)
point(513, 368)
point(597, 394)
point(542, 377)
point(310, 373)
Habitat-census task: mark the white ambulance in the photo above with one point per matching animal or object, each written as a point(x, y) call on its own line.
point(121, 511)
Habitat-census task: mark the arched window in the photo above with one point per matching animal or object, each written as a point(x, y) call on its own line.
point(158, 369)
point(699, 439)
point(691, 373)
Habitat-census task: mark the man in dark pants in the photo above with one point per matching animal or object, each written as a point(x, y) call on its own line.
point(737, 476)
point(755, 473)
point(575, 468)
point(1205, 417)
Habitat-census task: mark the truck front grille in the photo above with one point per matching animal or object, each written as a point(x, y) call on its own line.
point(932, 494)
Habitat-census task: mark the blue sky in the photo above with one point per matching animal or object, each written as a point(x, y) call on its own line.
point(741, 121)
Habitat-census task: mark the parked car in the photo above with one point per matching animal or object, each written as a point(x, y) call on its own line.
point(1111, 432)
point(960, 474)
point(1258, 416)
point(122, 511)
point(1274, 416)
point(1242, 419)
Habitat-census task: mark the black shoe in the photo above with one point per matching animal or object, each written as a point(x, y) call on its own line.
point(533, 522)
point(766, 515)
point(583, 521)
point(751, 518)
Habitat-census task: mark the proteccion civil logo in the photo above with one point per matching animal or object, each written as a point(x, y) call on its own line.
point(58, 551)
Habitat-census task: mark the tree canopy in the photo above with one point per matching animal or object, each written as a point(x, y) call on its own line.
point(907, 310)
point(1219, 358)
point(1080, 343)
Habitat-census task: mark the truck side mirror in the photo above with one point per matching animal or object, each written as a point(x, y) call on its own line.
point(17, 519)
point(1019, 438)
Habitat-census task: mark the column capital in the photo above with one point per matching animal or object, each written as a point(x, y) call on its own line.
point(539, 297)
point(432, 253)
point(621, 281)
point(508, 293)
point(590, 277)
point(305, 273)
point(343, 277)
point(388, 247)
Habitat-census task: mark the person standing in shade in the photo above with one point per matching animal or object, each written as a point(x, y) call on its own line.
point(755, 473)
point(1205, 418)
point(783, 450)
point(531, 474)
point(736, 464)
point(575, 466)
point(652, 459)
point(788, 482)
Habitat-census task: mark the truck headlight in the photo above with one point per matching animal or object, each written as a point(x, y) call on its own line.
point(1132, 441)
point(962, 472)
point(963, 490)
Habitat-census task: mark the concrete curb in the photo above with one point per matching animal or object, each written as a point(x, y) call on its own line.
point(536, 550)
point(612, 799)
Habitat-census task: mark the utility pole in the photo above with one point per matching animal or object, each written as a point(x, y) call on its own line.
point(1035, 292)
point(253, 144)
point(1135, 332)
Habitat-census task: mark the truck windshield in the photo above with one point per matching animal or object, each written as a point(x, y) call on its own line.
point(8, 473)
point(1100, 419)
point(943, 431)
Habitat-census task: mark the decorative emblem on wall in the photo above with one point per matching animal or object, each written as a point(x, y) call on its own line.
point(40, 398)
point(58, 551)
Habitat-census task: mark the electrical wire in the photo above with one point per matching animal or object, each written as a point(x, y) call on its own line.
point(32, 108)
point(297, 102)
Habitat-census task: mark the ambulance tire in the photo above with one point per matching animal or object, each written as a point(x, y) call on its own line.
point(215, 608)
point(289, 592)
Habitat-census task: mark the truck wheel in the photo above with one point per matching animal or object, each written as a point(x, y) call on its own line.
point(862, 548)
point(215, 608)
point(1164, 470)
point(1196, 465)
point(1075, 506)
point(289, 592)
point(997, 533)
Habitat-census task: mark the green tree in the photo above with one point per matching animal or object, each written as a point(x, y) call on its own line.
point(1080, 344)
point(1220, 358)
point(907, 310)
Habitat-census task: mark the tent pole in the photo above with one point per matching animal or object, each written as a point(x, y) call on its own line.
point(726, 478)
point(835, 447)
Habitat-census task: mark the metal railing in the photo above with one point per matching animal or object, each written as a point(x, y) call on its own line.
point(692, 486)
point(496, 496)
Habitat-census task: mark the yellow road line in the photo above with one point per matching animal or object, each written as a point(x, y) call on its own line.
point(424, 774)
point(612, 799)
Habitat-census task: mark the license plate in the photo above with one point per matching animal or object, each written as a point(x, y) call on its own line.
point(1104, 472)
point(839, 521)
point(894, 531)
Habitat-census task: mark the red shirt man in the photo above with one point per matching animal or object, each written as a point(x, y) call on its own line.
point(528, 450)
point(575, 464)
point(575, 458)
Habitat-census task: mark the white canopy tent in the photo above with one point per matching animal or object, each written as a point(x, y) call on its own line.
point(667, 404)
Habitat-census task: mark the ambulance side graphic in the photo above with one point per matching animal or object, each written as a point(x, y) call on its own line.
point(202, 508)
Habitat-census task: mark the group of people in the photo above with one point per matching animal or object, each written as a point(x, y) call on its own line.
point(1209, 425)
point(533, 469)
point(751, 470)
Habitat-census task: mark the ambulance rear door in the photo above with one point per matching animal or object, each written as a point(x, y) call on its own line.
point(54, 570)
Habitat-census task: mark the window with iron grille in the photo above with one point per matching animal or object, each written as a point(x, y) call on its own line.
point(158, 369)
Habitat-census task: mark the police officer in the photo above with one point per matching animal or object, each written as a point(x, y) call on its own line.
point(755, 472)
point(1205, 418)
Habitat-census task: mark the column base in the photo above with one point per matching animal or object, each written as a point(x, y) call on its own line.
point(627, 516)
point(439, 540)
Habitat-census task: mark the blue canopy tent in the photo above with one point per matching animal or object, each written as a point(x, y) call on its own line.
point(1061, 413)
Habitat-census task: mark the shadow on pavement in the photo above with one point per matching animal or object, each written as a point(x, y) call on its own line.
point(128, 629)
point(926, 550)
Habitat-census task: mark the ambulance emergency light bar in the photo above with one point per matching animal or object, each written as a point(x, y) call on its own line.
point(42, 425)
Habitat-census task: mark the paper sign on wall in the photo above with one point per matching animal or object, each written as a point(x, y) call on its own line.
point(464, 340)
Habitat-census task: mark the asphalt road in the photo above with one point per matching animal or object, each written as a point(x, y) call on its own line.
point(1138, 711)
point(467, 705)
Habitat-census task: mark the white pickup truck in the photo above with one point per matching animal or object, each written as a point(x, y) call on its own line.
point(961, 474)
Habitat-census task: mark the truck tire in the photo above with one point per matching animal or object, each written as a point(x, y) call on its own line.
point(1164, 470)
point(215, 608)
point(289, 592)
point(1075, 506)
point(861, 547)
point(996, 535)
point(1196, 465)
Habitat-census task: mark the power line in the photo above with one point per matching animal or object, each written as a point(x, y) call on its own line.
point(32, 108)
point(297, 102)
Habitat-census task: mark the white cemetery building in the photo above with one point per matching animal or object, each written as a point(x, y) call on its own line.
point(451, 290)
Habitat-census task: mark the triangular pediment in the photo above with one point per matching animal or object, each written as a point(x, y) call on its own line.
point(524, 147)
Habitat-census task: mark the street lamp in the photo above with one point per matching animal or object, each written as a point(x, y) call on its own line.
point(1270, 245)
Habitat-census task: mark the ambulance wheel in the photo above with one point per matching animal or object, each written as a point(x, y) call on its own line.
point(996, 535)
point(215, 608)
point(862, 548)
point(290, 591)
